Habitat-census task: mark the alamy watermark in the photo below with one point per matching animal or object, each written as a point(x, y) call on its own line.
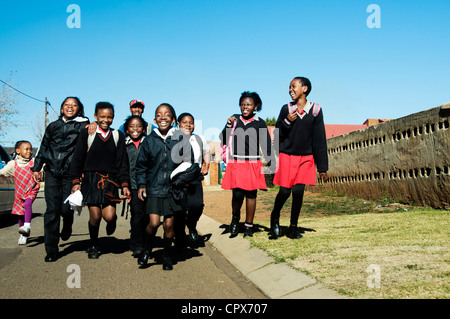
point(374, 278)
point(251, 144)
point(74, 279)
point(374, 19)
point(74, 19)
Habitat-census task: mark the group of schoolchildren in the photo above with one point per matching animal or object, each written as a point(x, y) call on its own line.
point(159, 170)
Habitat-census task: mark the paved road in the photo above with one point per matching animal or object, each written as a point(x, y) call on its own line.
point(201, 273)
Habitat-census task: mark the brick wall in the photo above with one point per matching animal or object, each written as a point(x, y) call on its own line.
point(406, 159)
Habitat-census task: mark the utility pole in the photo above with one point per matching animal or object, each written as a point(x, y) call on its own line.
point(46, 114)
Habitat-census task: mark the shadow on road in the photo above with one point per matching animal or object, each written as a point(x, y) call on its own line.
point(7, 219)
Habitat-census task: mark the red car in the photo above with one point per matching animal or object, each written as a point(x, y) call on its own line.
point(7, 186)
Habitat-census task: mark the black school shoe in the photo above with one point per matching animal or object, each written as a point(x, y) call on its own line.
point(234, 227)
point(143, 258)
point(93, 252)
point(167, 263)
point(293, 232)
point(51, 257)
point(248, 232)
point(275, 229)
point(193, 235)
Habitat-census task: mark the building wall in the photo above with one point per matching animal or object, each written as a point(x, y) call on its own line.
point(405, 159)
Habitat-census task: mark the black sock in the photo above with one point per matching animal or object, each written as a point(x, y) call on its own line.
point(93, 233)
point(282, 196)
point(167, 245)
point(297, 202)
point(149, 242)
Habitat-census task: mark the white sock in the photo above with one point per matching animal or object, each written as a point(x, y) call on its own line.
point(27, 225)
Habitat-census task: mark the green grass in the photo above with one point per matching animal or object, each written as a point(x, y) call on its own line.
point(345, 236)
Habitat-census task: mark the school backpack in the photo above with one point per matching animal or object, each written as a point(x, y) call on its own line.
point(225, 149)
point(115, 134)
point(315, 112)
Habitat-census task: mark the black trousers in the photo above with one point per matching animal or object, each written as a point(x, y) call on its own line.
point(56, 190)
point(138, 221)
point(190, 213)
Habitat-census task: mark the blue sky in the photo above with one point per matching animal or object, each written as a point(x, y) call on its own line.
point(200, 56)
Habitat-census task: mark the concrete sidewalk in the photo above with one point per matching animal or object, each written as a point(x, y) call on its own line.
point(276, 281)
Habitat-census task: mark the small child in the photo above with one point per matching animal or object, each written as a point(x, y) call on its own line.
point(193, 203)
point(303, 146)
point(103, 162)
point(26, 188)
point(135, 128)
point(154, 165)
point(244, 173)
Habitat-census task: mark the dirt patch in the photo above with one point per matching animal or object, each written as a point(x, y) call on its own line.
point(218, 205)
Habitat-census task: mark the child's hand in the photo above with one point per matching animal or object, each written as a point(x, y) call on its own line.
point(75, 188)
point(92, 127)
point(292, 116)
point(36, 177)
point(204, 171)
point(323, 176)
point(126, 193)
point(231, 119)
point(142, 194)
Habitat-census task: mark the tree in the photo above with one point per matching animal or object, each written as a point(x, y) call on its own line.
point(271, 121)
point(8, 98)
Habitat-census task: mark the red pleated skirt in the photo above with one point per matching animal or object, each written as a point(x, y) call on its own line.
point(295, 169)
point(247, 175)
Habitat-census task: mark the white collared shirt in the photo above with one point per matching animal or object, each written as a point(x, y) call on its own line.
point(306, 109)
point(198, 156)
point(104, 135)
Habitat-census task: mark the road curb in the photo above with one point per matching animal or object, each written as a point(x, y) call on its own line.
point(276, 280)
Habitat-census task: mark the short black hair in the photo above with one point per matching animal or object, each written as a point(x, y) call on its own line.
point(182, 115)
point(254, 96)
point(171, 110)
point(104, 105)
point(132, 117)
point(305, 82)
point(80, 105)
point(19, 143)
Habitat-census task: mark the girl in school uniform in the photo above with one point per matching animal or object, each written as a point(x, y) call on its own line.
point(103, 162)
point(136, 127)
point(303, 147)
point(193, 203)
point(26, 187)
point(245, 174)
point(55, 155)
point(156, 161)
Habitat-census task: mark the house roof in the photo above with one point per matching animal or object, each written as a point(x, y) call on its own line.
point(332, 130)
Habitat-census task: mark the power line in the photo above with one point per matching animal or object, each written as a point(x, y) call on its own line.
point(21, 92)
point(47, 102)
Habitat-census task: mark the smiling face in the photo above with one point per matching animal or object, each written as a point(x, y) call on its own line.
point(297, 89)
point(70, 109)
point(164, 119)
point(187, 125)
point(136, 109)
point(104, 118)
point(135, 129)
point(247, 107)
point(24, 150)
